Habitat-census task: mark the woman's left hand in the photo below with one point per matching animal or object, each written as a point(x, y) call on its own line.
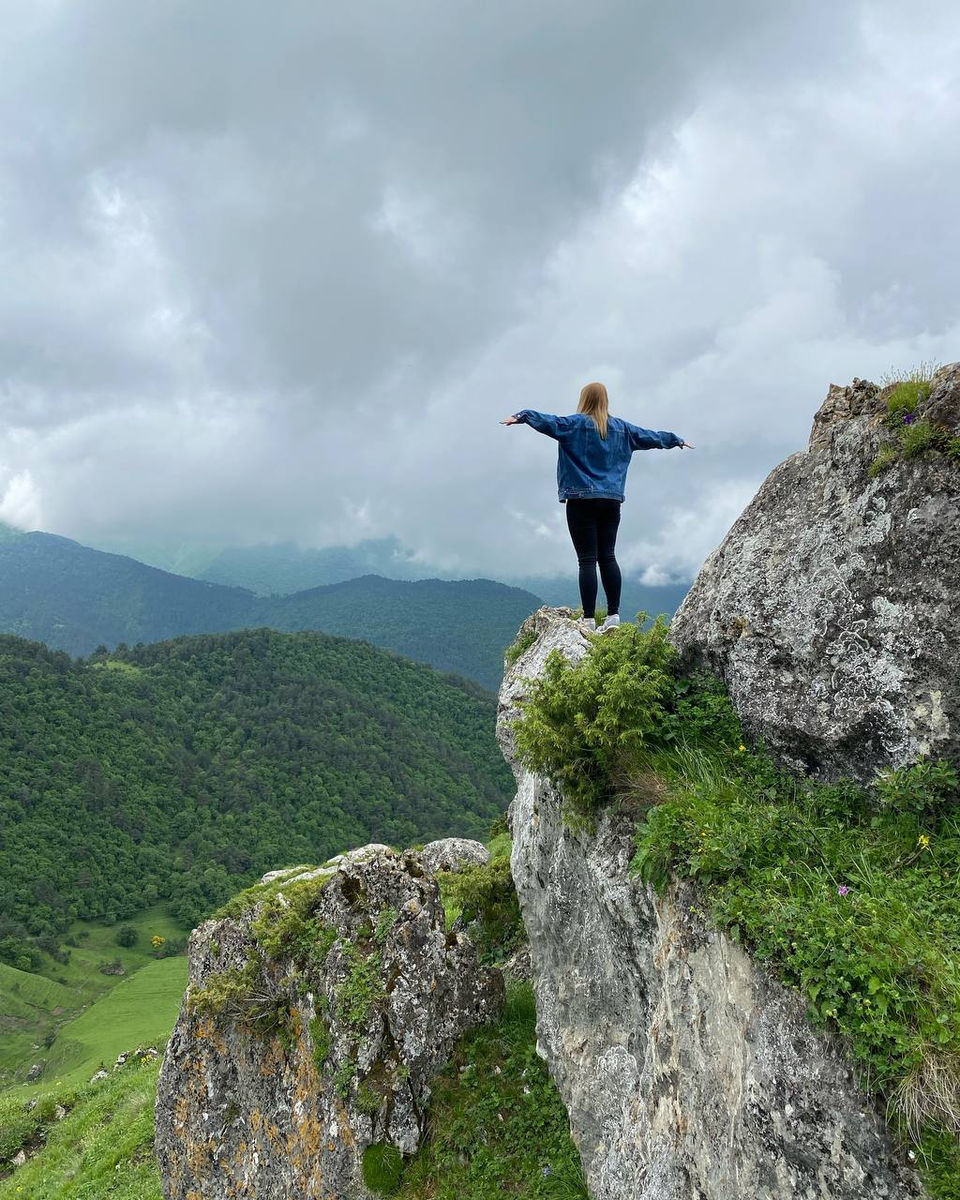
point(510, 421)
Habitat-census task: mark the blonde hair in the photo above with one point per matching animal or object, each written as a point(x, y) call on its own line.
point(594, 402)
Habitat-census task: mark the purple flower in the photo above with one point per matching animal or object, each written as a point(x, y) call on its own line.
point(909, 418)
point(842, 891)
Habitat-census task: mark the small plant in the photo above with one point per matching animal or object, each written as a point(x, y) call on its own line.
point(362, 989)
point(343, 1078)
point(368, 1101)
point(320, 1037)
point(886, 457)
point(917, 437)
point(522, 644)
point(924, 788)
point(385, 922)
point(382, 1168)
point(127, 936)
point(487, 900)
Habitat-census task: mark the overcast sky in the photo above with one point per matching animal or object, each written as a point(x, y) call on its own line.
point(276, 272)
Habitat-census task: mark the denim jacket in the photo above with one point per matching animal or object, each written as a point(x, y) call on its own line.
point(590, 467)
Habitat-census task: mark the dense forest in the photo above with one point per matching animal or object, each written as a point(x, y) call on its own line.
point(57, 591)
point(181, 771)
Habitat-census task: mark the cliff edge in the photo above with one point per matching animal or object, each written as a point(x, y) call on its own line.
point(687, 1071)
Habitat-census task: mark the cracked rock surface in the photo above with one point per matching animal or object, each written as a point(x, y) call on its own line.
point(688, 1073)
point(831, 607)
point(306, 1036)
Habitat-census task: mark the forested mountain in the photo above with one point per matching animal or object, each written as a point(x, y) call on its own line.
point(73, 598)
point(183, 770)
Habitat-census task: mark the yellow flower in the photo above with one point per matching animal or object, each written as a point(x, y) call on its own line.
point(741, 746)
point(923, 841)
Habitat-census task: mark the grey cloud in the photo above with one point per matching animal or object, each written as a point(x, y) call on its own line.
point(277, 273)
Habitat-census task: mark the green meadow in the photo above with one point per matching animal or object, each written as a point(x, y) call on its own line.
point(37, 1008)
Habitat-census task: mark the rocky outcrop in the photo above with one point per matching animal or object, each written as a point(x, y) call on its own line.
point(688, 1073)
point(317, 1011)
point(831, 607)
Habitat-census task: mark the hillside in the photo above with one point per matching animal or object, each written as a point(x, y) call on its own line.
point(73, 598)
point(179, 771)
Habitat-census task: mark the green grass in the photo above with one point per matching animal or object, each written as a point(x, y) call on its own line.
point(140, 1010)
point(102, 1149)
point(913, 434)
point(498, 1124)
point(34, 1005)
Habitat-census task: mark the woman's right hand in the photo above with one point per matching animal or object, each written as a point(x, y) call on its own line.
point(510, 421)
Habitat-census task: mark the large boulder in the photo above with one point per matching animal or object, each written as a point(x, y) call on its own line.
point(688, 1072)
point(317, 1011)
point(831, 608)
point(454, 854)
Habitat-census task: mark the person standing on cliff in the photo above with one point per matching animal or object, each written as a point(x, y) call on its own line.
point(594, 452)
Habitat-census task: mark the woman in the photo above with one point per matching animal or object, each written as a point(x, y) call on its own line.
point(594, 454)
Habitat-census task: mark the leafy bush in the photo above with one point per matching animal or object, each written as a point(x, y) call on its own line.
point(127, 936)
point(588, 725)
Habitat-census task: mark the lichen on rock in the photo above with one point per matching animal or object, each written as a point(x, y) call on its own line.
point(321, 1003)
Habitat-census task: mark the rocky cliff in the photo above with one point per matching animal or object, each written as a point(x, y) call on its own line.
point(318, 1009)
point(688, 1073)
point(830, 608)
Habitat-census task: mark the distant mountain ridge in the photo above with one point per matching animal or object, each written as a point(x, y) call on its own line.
point(280, 568)
point(73, 598)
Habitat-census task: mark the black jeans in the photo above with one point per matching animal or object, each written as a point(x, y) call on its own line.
point(593, 527)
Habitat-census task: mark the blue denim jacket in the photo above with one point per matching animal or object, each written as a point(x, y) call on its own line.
point(590, 467)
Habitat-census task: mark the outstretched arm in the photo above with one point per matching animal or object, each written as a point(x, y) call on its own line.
point(546, 423)
point(653, 439)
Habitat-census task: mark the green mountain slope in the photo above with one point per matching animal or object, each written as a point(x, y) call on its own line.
point(73, 598)
point(181, 771)
point(459, 624)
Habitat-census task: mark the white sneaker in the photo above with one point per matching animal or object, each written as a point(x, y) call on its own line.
point(609, 623)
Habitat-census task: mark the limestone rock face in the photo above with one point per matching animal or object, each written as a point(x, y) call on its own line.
point(687, 1072)
point(831, 609)
point(453, 854)
point(315, 1016)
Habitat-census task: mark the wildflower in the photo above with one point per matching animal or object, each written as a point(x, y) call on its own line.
point(741, 746)
point(842, 890)
point(923, 841)
point(909, 418)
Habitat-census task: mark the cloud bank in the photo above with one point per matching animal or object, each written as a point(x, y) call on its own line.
point(278, 274)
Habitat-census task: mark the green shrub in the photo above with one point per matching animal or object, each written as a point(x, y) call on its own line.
point(925, 788)
point(586, 726)
point(127, 936)
point(362, 989)
point(382, 1168)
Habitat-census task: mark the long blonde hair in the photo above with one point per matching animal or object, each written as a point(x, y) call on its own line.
point(594, 402)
